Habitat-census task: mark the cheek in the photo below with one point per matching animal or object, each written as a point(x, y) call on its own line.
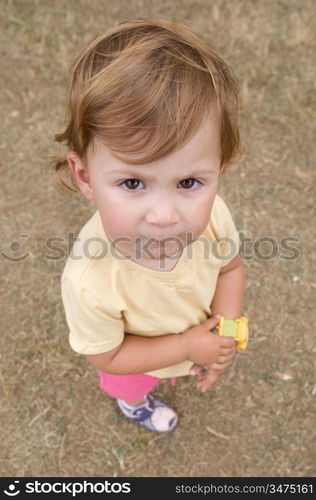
point(201, 212)
point(118, 217)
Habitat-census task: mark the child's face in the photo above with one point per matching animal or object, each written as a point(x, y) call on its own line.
point(171, 198)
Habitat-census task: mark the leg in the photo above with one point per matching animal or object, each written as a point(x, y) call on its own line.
point(135, 402)
point(131, 388)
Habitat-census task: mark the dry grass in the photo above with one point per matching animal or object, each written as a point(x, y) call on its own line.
point(260, 418)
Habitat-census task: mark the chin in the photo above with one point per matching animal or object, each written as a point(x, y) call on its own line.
point(167, 254)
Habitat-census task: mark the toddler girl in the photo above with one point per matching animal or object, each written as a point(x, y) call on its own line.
point(152, 125)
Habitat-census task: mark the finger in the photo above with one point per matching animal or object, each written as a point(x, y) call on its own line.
point(231, 348)
point(195, 369)
point(210, 375)
point(212, 322)
point(201, 381)
point(228, 341)
point(219, 367)
point(227, 351)
point(209, 382)
point(202, 375)
point(222, 361)
point(225, 359)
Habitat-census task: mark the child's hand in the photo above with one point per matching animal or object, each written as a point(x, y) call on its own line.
point(207, 378)
point(208, 374)
point(205, 348)
point(221, 365)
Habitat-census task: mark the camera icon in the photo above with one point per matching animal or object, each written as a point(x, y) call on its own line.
point(14, 250)
point(12, 490)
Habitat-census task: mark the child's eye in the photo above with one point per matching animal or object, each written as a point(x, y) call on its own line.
point(189, 183)
point(131, 184)
point(135, 184)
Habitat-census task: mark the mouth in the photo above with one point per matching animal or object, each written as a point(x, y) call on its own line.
point(157, 242)
point(169, 240)
point(161, 240)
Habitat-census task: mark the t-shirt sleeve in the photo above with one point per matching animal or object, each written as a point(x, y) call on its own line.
point(93, 327)
point(225, 235)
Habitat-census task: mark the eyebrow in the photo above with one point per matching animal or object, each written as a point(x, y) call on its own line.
point(143, 174)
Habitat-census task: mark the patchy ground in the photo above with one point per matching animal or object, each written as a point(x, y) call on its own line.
point(260, 418)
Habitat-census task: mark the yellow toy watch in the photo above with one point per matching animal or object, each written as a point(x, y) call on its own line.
point(234, 328)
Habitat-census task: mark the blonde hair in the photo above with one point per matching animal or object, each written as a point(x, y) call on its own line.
point(143, 87)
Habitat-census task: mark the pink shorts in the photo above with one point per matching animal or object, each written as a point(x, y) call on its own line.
point(128, 387)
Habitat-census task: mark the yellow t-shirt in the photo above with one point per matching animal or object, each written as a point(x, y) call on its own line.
point(106, 294)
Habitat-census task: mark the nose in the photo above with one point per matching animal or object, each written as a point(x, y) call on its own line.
point(163, 214)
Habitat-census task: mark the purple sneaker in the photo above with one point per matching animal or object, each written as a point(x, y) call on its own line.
point(153, 414)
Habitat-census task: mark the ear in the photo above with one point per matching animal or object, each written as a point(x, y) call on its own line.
point(80, 174)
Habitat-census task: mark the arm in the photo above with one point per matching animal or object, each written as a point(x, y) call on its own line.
point(138, 354)
point(228, 297)
point(227, 302)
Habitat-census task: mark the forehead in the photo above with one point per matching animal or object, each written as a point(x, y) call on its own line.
point(203, 145)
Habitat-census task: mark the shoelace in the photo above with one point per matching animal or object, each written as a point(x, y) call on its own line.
point(142, 411)
point(147, 404)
